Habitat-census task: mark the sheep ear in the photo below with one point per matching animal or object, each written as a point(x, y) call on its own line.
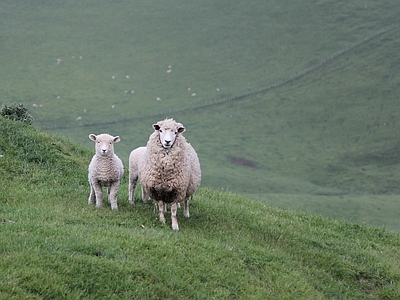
point(92, 137)
point(116, 139)
point(156, 127)
point(181, 128)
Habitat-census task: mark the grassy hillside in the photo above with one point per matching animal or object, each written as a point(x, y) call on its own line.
point(53, 245)
point(326, 141)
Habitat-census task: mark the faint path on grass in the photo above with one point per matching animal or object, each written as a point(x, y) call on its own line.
point(234, 97)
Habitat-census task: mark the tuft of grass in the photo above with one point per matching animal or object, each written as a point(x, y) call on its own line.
point(54, 245)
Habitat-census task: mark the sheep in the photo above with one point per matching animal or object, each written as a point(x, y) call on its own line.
point(136, 159)
point(168, 169)
point(105, 169)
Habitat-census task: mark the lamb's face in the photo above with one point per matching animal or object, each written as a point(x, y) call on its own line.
point(104, 143)
point(168, 131)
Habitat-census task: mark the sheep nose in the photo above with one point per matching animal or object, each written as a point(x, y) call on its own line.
point(167, 142)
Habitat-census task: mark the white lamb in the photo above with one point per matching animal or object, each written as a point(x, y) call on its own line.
point(136, 159)
point(105, 169)
point(168, 169)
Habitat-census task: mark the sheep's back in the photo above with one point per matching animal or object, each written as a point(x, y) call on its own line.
point(136, 159)
point(194, 170)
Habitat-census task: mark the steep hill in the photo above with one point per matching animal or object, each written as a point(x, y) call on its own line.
point(54, 246)
point(292, 103)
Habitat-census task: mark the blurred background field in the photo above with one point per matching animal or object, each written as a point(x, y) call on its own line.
point(326, 141)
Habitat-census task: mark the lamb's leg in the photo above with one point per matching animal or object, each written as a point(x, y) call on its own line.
point(109, 191)
point(92, 196)
point(161, 211)
point(132, 186)
point(98, 193)
point(174, 208)
point(186, 209)
point(113, 194)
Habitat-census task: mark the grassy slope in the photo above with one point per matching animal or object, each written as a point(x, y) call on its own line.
point(53, 245)
point(319, 142)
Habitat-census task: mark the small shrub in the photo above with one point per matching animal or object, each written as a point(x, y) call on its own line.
point(16, 112)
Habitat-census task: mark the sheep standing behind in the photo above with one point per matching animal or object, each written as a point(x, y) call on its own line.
point(105, 169)
point(168, 169)
point(136, 159)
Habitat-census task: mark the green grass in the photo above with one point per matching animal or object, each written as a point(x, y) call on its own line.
point(329, 137)
point(53, 245)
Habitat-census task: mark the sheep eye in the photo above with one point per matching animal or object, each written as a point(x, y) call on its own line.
point(160, 130)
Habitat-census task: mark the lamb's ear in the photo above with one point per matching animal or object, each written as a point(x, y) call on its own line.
point(92, 137)
point(116, 139)
point(181, 128)
point(156, 126)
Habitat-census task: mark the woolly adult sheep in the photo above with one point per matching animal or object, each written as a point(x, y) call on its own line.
point(169, 171)
point(105, 169)
point(136, 159)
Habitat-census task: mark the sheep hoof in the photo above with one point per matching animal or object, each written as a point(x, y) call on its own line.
point(162, 220)
point(175, 226)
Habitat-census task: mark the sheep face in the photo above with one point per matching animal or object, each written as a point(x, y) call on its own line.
point(104, 143)
point(167, 131)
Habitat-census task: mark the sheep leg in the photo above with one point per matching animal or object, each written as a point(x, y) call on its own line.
point(145, 196)
point(174, 208)
point(113, 194)
point(98, 194)
point(132, 186)
point(161, 211)
point(166, 207)
point(186, 209)
point(109, 191)
point(92, 196)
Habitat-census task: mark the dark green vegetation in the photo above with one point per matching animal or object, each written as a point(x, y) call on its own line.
point(54, 246)
point(327, 141)
point(16, 112)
